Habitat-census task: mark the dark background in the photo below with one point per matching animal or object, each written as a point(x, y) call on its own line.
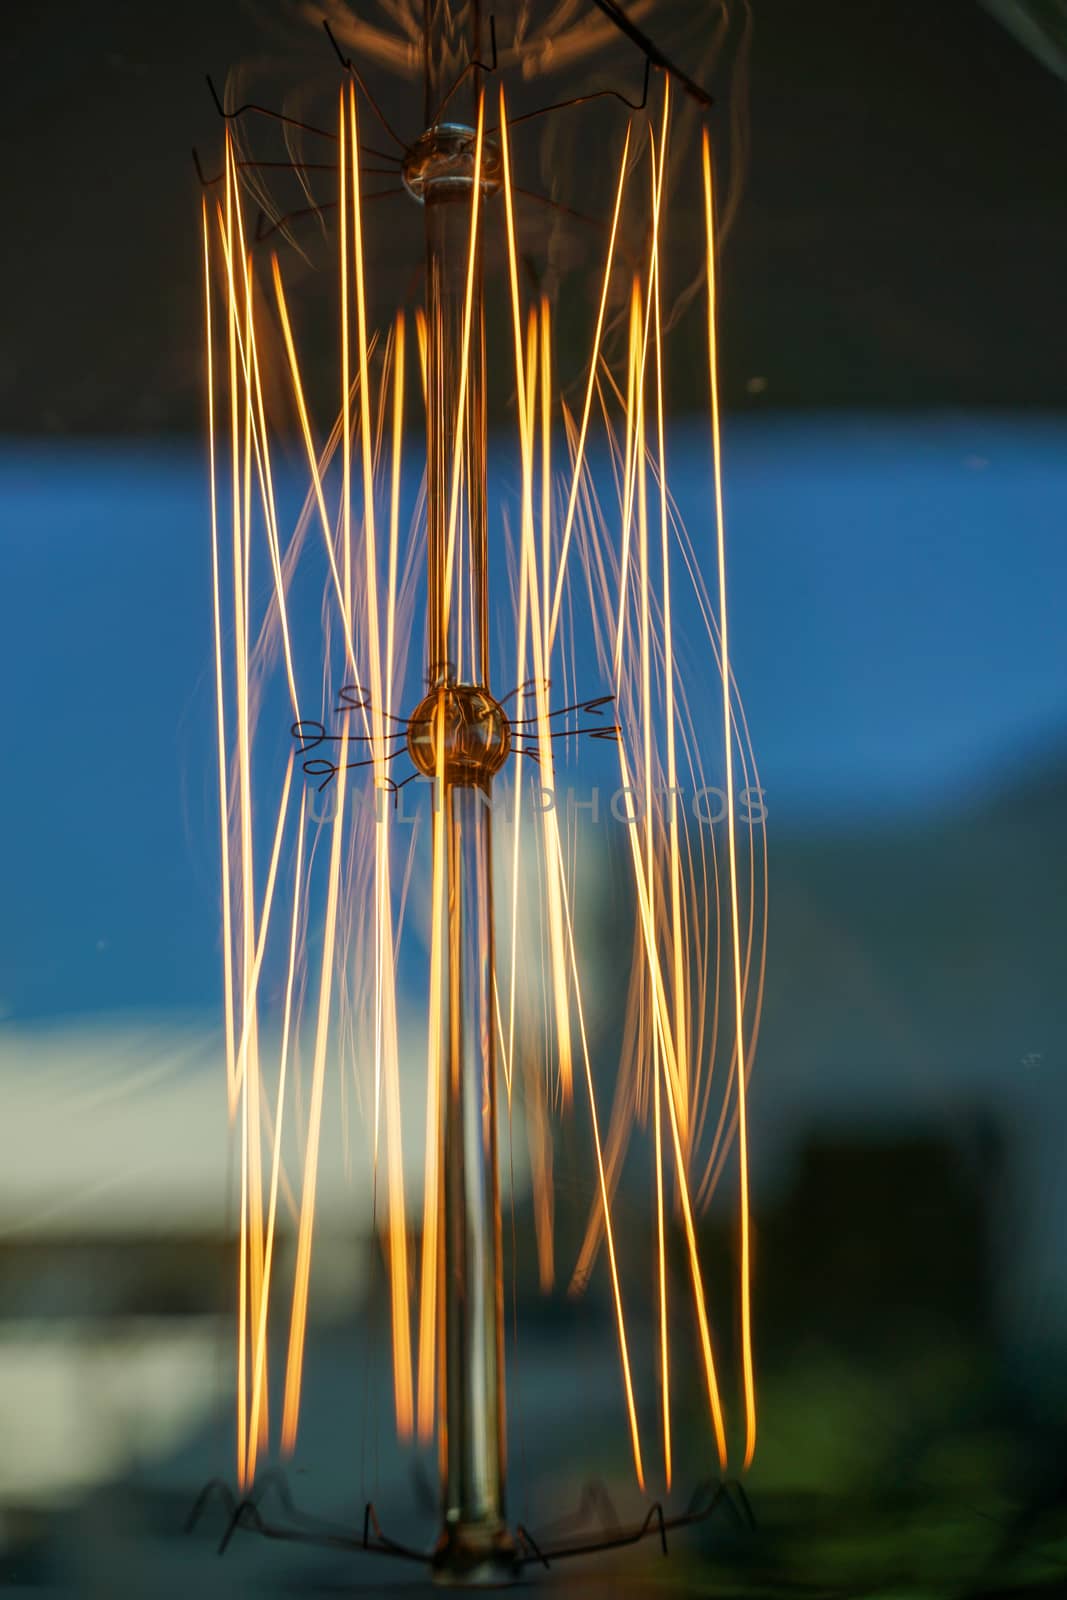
point(901, 241)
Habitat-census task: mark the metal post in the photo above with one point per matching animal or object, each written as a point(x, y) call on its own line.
point(460, 717)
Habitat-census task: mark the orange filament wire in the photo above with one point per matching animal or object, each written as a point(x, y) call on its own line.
point(387, 1064)
point(541, 653)
point(609, 1231)
point(464, 367)
point(742, 1119)
point(298, 1321)
point(432, 1258)
point(248, 1283)
point(220, 713)
point(250, 359)
point(316, 477)
point(588, 404)
point(260, 1345)
point(678, 943)
point(554, 864)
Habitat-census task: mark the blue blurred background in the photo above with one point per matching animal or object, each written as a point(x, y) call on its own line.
point(898, 639)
